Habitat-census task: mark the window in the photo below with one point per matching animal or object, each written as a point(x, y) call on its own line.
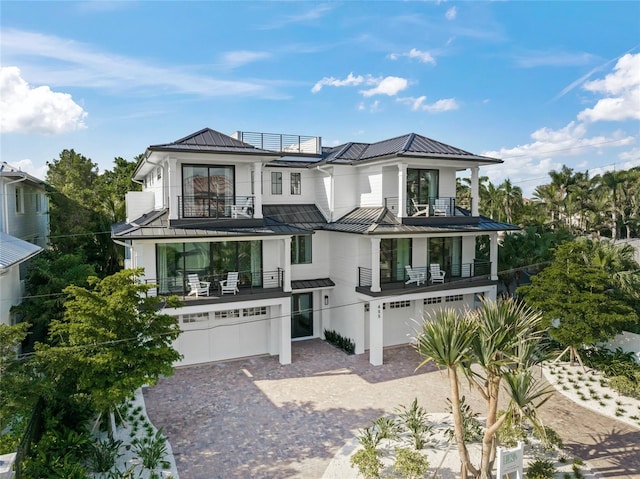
point(159, 173)
point(257, 311)
point(229, 313)
point(301, 249)
point(395, 254)
point(19, 200)
point(296, 183)
point(38, 203)
point(195, 317)
point(437, 300)
point(276, 182)
point(207, 191)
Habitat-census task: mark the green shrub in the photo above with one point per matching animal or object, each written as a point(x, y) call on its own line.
point(415, 420)
point(511, 431)
point(152, 451)
point(549, 437)
point(103, 454)
point(367, 462)
point(339, 341)
point(410, 463)
point(541, 469)
point(623, 385)
point(472, 427)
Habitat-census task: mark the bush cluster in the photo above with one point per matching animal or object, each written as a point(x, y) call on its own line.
point(339, 341)
point(620, 367)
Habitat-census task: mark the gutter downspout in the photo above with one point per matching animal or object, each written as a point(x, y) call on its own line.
point(6, 202)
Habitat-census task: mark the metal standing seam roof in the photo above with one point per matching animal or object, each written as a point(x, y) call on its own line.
point(14, 250)
point(312, 283)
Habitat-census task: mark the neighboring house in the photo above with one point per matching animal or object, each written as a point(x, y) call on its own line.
point(24, 232)
point(340, 238)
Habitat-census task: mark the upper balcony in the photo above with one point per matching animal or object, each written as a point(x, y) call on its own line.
point(282, 143)
point(216, 206)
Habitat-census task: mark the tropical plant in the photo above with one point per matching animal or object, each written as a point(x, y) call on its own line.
point(416, 421)
point(496, 345)
point(410, 463)
point(152, 451)
point(368, 462)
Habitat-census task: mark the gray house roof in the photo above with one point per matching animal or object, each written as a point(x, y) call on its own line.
point(14, 250)
point(411, 145)
point(208, 140)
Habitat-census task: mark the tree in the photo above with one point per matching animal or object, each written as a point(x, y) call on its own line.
point(498, 344)
point(111, 341)
point(578, 299)
point(47, 276)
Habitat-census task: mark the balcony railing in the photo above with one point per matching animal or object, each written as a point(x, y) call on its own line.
point(281, 143)
point(477, 269)
point(248, 282)
point(434, 206)
point(216, 206)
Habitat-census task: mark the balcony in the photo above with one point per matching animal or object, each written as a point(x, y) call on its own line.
point(286, 144)
point(456, 274)
point(216, 206)
point(432, 207)
point(251, 285)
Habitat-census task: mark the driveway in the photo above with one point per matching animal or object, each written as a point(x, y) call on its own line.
point(254, 418)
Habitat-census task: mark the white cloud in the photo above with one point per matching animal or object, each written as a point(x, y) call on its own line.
point(553, 58)
point(82, 65)
point(375, 106)
point(26, 165)
point(564, 142)
point(390, 86)
point(418, 104)
point(35, 110)
point(451, 13)
point(351, 80)
point(421, 56)
point(242, 57)
point(622, 91)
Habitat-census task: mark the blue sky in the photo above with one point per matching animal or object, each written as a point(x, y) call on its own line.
point(539, 84)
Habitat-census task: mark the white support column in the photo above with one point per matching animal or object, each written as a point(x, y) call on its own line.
point(286, 282)
point(475, 191)
point(257, 189)
point(402, 190)
point(174, 188)
point(375, 265)
point(376, 340)
point(493, 255)
point(285, 332)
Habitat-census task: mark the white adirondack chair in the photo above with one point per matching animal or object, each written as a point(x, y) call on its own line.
point(198, 288)
point(420, 209)
point(440, 207)
point(437, 275)
point(230, 285)
point(415, 276)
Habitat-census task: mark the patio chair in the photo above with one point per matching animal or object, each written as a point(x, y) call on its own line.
point(198, 288)
point(415, 276)
point(437, 275)
point(243, 210)
point(230, 285)
point(420, 209)
point(440, 207)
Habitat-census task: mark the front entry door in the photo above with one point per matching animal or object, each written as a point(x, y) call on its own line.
point(302, 315)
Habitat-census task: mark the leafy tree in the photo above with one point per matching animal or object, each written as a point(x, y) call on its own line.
point(493, 346)
point(579, 300)
point(47, 276)
point(111, 341)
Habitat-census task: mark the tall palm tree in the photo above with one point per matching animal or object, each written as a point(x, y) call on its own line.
point(499, 341)
point(511, 198)
point(446, 340)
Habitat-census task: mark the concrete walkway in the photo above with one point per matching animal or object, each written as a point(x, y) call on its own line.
point(254, 418)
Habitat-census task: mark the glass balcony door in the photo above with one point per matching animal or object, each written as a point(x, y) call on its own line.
point(208, 191)
point(395, 254)
point(422, 187)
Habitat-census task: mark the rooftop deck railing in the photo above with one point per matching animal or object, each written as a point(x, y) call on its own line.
point(433, 206)
point(281, 143)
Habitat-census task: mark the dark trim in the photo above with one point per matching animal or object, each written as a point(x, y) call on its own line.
point(216, 224)
point(441, 220)
point(399, 289)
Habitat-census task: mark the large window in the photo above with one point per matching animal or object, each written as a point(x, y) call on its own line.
point(301, 249)
point(447, 252)
point(296, 183)
point(19, 200)
point(395, 254)
point(210, 261)
point(208, 191)
point(276, 182)
point(422, 186)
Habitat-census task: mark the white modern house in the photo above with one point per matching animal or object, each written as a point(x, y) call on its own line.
point(271, 238)
point(24, 232)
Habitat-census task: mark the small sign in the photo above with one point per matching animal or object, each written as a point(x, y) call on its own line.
point(511, 462)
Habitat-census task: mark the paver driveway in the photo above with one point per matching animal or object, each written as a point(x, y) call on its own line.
point(254, 418)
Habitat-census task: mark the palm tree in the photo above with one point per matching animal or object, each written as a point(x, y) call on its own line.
point(446, 340)
point(499, 341)
point(511, 198)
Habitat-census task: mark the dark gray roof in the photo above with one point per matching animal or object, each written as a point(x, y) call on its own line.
point(411, 144)
point(312, 283)
point(308, 215)
point(156, 225)
point(14, 250)
point(211, 140)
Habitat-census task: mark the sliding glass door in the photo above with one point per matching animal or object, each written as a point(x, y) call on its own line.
point(447, 252)
point(395, 254)
point(422, 187)
point(208, 191)
point(210, 261)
